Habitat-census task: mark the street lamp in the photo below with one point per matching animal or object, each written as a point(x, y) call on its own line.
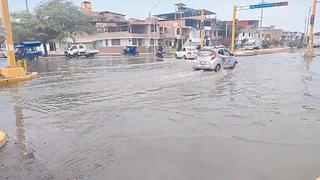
point(261, 17)
point(155, 26)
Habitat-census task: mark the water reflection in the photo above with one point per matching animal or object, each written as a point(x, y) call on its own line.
point(312, 64)
point(307, 62)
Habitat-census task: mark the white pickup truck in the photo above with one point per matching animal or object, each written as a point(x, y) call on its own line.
point(79, 50)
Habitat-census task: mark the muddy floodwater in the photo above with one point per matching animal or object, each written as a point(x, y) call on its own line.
point(137, 119)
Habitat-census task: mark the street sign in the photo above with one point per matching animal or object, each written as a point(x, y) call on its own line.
point(269, 5)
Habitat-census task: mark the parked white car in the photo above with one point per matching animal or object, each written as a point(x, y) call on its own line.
point(79, 50)
point(215, 59)
point(3, 53)
point(249, 47)
point(187, 53)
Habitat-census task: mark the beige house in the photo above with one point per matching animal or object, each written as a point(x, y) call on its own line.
point(262, 33)
point(270, 33)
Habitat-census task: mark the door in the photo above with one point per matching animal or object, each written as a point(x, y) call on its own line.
point(229, 58)
point(73, 50)
point(224, 58)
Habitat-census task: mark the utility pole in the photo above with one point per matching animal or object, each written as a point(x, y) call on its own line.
point(27, 6)
point(155, 44)
point(234, 19)
point(310, 49)
point(9, 36)
point(308, 25)
point(202, 28)
point(151, 24)
point(261, 16)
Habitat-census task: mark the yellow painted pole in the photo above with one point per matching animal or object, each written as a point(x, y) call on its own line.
point(25, 65)
point(19, 64)
point(9, 36)
point(312, 20)
point(202, 28)
point(234, 19)
point(2, 139)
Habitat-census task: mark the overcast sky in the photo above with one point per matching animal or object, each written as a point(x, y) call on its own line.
point(289, 18)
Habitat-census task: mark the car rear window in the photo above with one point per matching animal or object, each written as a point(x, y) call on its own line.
point(205, 53)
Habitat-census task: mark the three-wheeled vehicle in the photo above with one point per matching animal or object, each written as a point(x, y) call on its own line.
point(130, 51)
point(28, 50)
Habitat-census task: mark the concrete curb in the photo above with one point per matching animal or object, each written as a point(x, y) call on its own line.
point(262, 51)
point(2, 139)
point(26, 77)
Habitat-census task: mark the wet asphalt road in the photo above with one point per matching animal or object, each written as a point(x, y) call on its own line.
point(136, 119)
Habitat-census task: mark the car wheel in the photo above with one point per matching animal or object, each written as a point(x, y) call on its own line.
point(218, 67)
point(176, 56)
point(234, 65)
point(184, 57)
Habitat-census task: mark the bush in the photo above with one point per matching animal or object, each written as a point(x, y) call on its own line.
point(275, 42)
point(265, 44)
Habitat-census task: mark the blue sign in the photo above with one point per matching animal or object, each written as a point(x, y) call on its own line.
point(269, 5)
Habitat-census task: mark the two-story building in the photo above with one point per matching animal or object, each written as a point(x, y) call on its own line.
point(115, 32)
point(182, 27)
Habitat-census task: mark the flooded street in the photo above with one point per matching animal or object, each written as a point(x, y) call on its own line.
point(136, 119)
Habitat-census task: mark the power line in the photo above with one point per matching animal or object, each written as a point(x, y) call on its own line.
point(156, 5)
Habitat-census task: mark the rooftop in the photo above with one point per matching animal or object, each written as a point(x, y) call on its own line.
point(185, 12)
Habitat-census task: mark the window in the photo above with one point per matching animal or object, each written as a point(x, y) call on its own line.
point(205, 53)
point(153, 28)
point(115, 42)
point(249, 34)
point(178, 31)
point(243, 34)
point(134, 42)
point(140, 42)
point(221, 52)
point(161, 30)
point(165, 30)
point(151, 41)
point(106, 42)
point(226, 52)
point(81, 47)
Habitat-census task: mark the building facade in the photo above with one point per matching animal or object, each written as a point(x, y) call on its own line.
point(115, 32)
point(171, 30)
point(182, 27)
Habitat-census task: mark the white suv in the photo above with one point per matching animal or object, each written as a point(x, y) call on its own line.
point(187, 53)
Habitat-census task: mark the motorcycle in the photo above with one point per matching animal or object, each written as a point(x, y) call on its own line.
point(159, 55)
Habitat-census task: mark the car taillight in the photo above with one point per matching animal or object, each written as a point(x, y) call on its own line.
point(213, 56)
point(189, 53)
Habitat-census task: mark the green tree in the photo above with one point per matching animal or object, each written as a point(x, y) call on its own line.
point(50, 20)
